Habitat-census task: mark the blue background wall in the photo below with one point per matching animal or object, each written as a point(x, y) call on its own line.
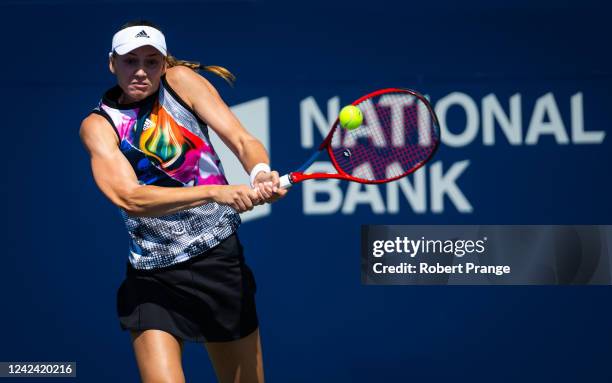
point(65, 245)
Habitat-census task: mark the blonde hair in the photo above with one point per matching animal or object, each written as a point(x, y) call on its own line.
point(218, 70)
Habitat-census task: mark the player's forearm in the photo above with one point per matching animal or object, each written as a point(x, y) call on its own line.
point(155, 201)
point(251, 153)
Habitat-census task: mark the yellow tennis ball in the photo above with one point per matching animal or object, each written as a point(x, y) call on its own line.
point(351, 117)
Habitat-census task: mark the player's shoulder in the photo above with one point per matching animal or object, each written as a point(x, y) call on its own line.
point(93, 121)
point(184, 79)
point(181, 72)
point(95, 127)
point(181, 76)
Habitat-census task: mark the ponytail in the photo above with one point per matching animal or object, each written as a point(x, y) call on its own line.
point(218, 70)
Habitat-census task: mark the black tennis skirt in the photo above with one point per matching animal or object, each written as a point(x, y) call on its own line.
point(208, 298)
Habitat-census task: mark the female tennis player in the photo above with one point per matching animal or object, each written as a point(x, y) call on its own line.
point(151, 155)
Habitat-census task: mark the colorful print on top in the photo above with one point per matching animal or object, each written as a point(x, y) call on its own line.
point(161, 142)
point(167, 145)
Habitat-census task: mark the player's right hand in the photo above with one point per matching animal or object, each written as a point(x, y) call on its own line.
point(240, 197)
point(267, 185)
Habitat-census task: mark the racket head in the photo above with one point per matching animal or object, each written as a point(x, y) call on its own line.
point(400, 133)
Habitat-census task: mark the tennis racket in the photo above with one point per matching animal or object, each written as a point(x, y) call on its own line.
point(399, 134)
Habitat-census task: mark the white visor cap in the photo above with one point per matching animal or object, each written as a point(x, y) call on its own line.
point(128, 39)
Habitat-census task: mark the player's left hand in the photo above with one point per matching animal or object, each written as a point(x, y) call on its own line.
point(267, 186)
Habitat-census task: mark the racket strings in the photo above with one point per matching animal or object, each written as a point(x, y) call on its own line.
point(399, 133)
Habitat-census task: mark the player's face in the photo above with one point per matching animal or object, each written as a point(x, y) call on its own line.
point(138, 72)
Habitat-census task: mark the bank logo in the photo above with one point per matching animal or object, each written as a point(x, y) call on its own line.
point(433, 188)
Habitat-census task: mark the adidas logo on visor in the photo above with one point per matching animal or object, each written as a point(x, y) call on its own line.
point(142, 34)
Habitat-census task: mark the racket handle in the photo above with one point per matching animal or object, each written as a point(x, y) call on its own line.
point(285, 182)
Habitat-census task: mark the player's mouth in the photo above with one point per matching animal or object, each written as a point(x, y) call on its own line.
point(140, 86)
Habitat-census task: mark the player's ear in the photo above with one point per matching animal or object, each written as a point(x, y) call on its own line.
point(111, 65)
